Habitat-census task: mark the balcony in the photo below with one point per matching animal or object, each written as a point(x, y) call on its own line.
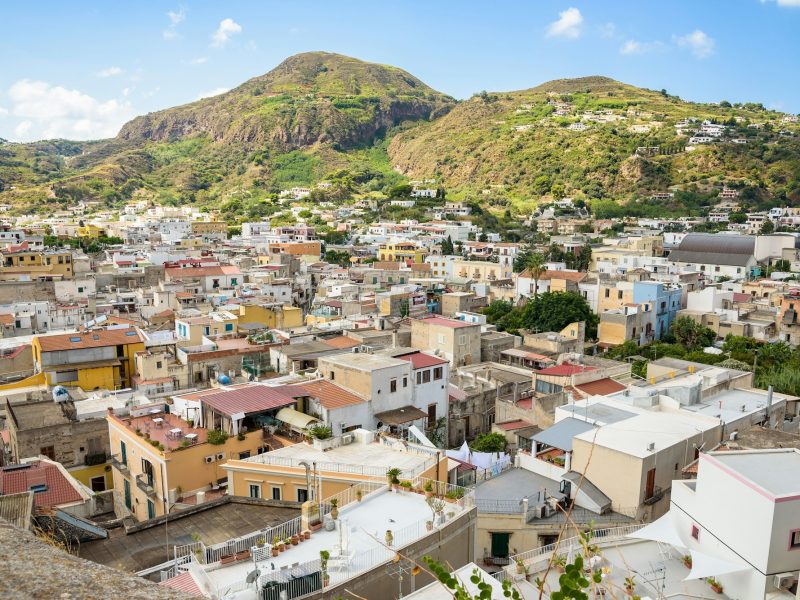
point(145, 486)
point(119, 465)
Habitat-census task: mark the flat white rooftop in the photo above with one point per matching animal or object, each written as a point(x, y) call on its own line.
point(776, 471)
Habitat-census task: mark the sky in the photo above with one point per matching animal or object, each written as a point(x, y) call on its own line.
point(80, 69)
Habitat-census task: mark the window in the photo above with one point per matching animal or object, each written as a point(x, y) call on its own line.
point(716, 269)
point(80, 290)
point(302, 495)
point(619, 294)
point(608, 292)
point(228, 326)
point(206, 330)
point(276, 493)
point(462, 340)
point(695, 532)
point(158, 364)
point(405, 381)
point(794, 539)
point(441, 338)
point(333, 376)
point(151, 510)
point(438, 372)
point(426, 376)
point(419, 377)
point(48, 451)
point(233, 281)
point(392, 386)
point(255, 490)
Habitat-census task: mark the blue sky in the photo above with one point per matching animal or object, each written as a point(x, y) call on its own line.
point(80, 69)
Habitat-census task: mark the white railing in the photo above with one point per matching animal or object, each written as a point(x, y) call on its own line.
point(533, 558)
point(350, 495)
point(447, 490)
point(282, 461)
point(285, 530)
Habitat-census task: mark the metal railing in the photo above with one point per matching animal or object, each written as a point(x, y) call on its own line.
point(532, 558)
point(351, 495)
point(332, 467)
point(495, 506)
point(215, 552)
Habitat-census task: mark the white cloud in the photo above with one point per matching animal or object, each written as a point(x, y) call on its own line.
point(568, 24)
point(126, 92)
point(636, 47)
point(51, 111)
point(200, 60)
point(784, 3)
point(698, 42)
point(227, 28)
point(110, 72)
point(608, 30)
point(214, 92)
point(176, 17)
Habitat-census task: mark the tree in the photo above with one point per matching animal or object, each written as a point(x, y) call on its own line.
point(737, 218)
point(691, 335)
point(536, 268)
point(552, 311)
point(767, 227)
point(489, 442)
point(447, 246)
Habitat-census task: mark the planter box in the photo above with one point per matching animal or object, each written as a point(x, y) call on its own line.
point(227, 559)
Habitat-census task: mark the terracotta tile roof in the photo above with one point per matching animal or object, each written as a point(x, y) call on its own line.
point(444, 322)
point(601, 387)
point(58, 489)
point(252, 398)
point(342, 341)
point(565, 370)
point(97, 338)
point(184, 582)
point(182, 272)
point(420, 360)
point(7, 319)
point(330, 395)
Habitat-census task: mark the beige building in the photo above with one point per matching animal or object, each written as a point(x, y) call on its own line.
point(481, 271)
point(457, 341)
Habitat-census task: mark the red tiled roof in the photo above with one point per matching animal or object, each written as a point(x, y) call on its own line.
point(740, 297)
point(97, 338)
point(525, 403)
point(601, 387)
point(7, 319)
point(180, 272)
point(512, 425)
point(252, 398)
point(184, 582)
point(565, 370)
point(59, 490)
point(420, 360)
point(330, 395)
point(342, 342)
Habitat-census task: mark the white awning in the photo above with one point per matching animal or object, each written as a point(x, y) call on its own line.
point(662, 530)
point(295, 418)
point(705, 565)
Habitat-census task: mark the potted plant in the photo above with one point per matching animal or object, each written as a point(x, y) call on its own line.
point(428, 489)
point(287, 542)
point(334, 508)
point(226, 559)
point(437, 507)
point(687, 560)
point(715, 585)
point(295, 539)
point(429, 525)
point(522, 568)
point(406, 485)
point(630, 584)
point(278, 543)
point(324, 555)
point(275, 550)
point(260, 542)
point(359, 494)
point(242, 555)
point(389, 537)
point(307, 534)
point(393, 475)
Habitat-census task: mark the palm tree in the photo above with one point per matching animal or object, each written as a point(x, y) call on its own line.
point(537, 269)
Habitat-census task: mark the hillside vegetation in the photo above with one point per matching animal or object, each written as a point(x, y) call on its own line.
point(367, 127)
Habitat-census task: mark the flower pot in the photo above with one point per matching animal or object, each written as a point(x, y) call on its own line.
point(326, 580)
point(281, 547)
point(335, 513)
point(428, 494)
point(275, 551)
point(687, 564)
point(307, 534)
point(389, 537)
point(244, 554)
point(227, 559)
point(429, 525)
point(295, 539)
point(716, 587)
point(315, 526)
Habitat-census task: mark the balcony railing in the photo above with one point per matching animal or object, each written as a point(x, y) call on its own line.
point(144, 485)
point(119, 465)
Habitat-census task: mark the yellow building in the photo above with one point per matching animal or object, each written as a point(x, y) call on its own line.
point(154, 466)
point(35, 264)
point(481, 270)
point(210, 228)
point(91, 231)
point(402, 252)
point(271, 315)
point(95, 359)
point(192, 330)
point(281, 474)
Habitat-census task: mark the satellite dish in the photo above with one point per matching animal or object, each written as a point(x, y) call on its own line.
point(252, 576)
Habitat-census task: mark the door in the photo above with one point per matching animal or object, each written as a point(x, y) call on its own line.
point(302, 495)
point(651, 484)
point(127, 485)
point(151, 510)
point(431, 415)
point(255, 491)
point(123, 453)
point(98, 483)
point(500, 544)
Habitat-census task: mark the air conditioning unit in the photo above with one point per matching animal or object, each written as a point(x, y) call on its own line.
point(209, 459)
point(220, 456)
point(783, 581)
point(347, 439)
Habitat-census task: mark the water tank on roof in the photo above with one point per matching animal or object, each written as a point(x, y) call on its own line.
point(60, 394)
point(224, 380)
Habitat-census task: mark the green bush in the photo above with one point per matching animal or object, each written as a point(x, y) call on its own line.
point(217, 437)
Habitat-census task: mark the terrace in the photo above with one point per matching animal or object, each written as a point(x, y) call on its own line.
point(167, 429)
point(357, 541)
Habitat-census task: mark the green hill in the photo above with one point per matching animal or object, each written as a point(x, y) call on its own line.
point(515, 145)
point(367, 127)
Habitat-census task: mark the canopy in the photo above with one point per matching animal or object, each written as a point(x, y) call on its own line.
point(705, 565)
point(295, 418)
point(662, 530)
point(399, 416)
